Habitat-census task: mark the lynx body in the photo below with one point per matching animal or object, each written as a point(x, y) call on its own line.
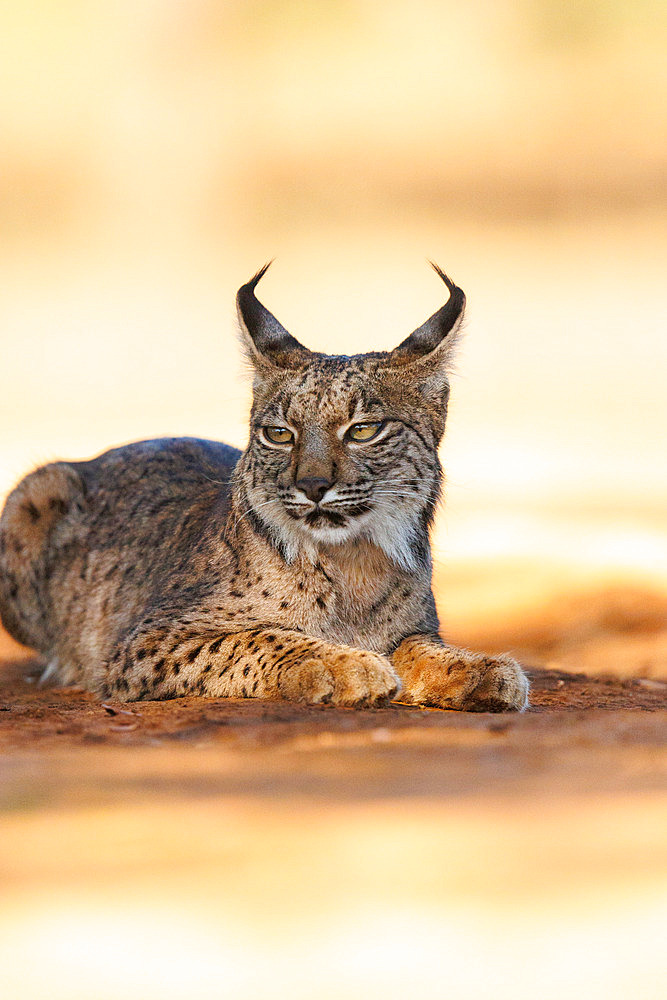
point(298, 569)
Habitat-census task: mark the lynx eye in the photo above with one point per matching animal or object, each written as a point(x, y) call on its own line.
point(278, 435)
point(363, 432)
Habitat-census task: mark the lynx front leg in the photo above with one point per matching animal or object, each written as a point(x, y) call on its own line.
point(169, 660)
point(435, 674)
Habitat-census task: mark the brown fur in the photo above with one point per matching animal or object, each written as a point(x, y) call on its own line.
point(182, 566)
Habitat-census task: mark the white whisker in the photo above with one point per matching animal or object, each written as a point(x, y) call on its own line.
point(251, 510)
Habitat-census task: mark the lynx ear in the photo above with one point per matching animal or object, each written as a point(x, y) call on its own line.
point(431, 346)
point(264, 339)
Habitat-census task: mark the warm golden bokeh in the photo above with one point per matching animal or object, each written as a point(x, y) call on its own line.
point(154, 154)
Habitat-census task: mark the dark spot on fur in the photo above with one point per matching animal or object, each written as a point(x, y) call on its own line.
point(320, 569)
point(32, 511)
point(58, 505)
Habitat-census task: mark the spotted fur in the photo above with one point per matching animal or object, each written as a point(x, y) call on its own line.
point(299, 569)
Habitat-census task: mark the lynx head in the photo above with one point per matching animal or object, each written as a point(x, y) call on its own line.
point(344, 448)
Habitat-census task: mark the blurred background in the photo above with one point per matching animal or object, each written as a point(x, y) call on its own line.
point(155, 153)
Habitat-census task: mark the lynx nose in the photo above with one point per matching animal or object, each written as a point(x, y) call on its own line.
point(314, 487)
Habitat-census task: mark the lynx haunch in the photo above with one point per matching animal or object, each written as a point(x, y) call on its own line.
point(299, 568)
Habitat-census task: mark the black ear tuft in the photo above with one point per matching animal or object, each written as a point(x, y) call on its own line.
point(454, 290)
point(264, 337)
point(246, 293)
point(440, 327)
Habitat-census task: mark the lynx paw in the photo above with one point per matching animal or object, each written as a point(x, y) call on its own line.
point(351, 678)
point(459, 679)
